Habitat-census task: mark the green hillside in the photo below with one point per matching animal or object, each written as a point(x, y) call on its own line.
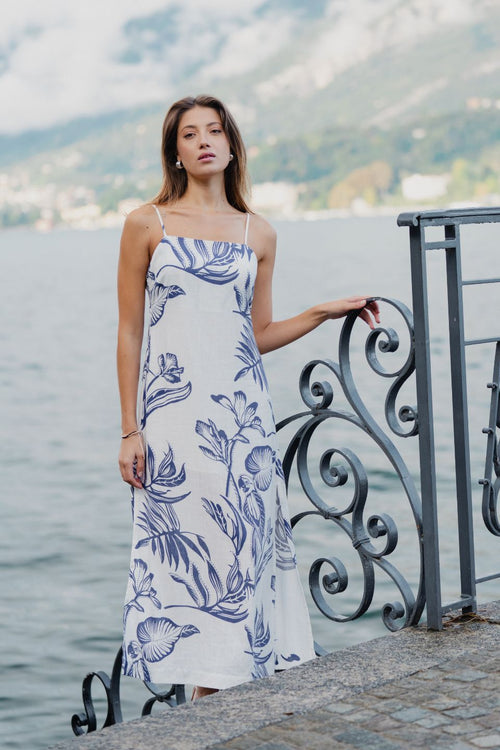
point(332, 166)
point(468, 142)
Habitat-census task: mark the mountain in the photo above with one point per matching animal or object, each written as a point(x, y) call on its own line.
point(319, 89)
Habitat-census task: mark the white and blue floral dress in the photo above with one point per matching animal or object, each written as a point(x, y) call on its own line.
point(213, 596)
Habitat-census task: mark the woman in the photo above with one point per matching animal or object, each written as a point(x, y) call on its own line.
point(214, 597)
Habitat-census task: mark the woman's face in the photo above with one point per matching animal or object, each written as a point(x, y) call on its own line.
point(202, 145)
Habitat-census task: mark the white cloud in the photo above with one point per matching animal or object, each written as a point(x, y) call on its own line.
point(61, 58)
point(248, 45)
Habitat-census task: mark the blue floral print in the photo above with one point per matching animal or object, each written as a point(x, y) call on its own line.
point(156, 395)
point(158, 518)
point(285, 555)
point(159, 635)
point(244, 297)
point(217, 264)
point(156, 638)
point(230, 522)
point(260, 650)
point(142, 588)
point(244, 415)
point(260, 463)
point(249, 354)
point(158, 296)
point(225, 599)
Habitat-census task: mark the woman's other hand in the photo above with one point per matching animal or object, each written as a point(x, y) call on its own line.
point(131, 460)
point(370, 312)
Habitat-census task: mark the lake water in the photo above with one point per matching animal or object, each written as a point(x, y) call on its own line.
point(65, 530)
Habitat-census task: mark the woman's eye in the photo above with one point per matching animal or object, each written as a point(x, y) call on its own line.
point(216, 130)
point(188, 135)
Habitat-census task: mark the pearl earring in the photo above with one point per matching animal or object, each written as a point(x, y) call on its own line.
point(179, 164)
point(231, 157)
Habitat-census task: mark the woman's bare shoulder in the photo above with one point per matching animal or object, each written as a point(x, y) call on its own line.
point(141, 217)
point(142, 228)
point(262, 235)
point(262, 227)
point(139, 234)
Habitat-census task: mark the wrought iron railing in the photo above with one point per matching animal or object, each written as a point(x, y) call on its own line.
point(419, 224)
point(339, 466)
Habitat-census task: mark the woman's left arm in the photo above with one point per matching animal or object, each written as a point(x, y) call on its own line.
point(271, 334)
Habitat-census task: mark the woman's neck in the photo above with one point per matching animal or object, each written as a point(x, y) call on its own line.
point(205, 197)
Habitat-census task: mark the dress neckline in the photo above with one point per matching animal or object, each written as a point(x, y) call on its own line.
point(167, 237)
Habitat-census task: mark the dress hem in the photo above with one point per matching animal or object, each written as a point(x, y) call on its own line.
point(218, 681)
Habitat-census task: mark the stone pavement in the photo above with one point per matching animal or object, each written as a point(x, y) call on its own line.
point(453, 705)
point(411, 689)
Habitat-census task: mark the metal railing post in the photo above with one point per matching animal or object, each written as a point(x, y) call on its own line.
point(426, 428)
point(460, 419)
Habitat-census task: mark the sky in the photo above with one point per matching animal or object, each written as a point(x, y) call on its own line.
point(59, 59)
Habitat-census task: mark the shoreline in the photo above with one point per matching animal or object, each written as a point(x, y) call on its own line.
point(115, 220)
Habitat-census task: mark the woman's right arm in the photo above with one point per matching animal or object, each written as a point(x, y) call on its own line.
point(132, 270)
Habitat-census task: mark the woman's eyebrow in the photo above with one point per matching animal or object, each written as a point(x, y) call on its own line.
point(195, 127)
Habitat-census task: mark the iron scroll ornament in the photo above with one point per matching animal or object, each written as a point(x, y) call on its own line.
point(87, 722)
point(338, 464)
point(491, 484)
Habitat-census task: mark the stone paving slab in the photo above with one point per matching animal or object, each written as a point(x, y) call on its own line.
point(409, 689)
point(418, 721)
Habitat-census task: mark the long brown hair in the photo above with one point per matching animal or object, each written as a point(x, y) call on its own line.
point(175, 180)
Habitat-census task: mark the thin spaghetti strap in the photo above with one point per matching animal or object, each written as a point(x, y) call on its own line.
point(160, 219)
point(246, 229)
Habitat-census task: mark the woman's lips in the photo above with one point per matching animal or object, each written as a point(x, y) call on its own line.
point(205, 157)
